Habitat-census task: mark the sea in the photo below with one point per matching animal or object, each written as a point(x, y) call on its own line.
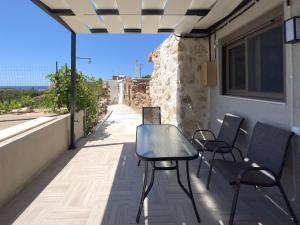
point(39, 88)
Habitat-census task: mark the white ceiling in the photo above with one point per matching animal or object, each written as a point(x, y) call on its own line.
point(126, 15)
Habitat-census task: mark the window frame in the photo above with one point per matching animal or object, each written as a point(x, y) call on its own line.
point(243, 39)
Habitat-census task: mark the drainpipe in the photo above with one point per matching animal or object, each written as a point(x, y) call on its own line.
point(73, 91)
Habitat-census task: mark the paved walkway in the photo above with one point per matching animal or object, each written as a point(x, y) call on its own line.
point(100, 183)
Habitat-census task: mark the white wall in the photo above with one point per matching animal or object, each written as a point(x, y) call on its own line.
point(276, 113)
point(25, 155)
point(121, 93)
point(113, 87)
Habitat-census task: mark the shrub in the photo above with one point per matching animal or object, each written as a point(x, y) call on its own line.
point(8, 106)
point(27, 101)
point(88, 94)
point(7, 94)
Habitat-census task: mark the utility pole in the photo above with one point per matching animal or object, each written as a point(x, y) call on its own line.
point(141, 66)
point(136, 69)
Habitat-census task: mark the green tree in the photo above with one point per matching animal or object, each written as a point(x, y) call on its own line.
point(88, 94)
point(148, 76)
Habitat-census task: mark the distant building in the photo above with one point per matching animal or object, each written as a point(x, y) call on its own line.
point(115, 88)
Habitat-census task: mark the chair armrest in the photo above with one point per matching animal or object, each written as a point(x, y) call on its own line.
point(243, 172)
point(201, 130)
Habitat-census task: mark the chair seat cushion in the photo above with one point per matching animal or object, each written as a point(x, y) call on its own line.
point(210, 145)
point(230, 171)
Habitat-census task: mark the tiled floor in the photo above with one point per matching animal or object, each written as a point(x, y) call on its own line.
point(100, 183)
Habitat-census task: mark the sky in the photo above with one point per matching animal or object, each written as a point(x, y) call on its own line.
point(31, 42)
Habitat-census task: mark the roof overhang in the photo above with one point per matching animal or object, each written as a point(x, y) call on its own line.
point(140, 16)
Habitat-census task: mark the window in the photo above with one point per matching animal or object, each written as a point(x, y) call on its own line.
point(237, 67)
point(253, 65)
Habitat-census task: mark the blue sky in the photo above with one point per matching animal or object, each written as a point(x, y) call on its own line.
point(31, 42)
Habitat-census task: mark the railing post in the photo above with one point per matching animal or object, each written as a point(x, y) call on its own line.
point(73, 91)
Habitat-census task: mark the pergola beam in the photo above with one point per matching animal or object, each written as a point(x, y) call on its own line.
point(50, 12)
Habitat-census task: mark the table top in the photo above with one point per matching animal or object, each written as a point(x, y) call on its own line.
point(162, 143)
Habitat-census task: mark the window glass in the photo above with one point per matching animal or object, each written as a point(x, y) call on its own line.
point(265, 62)
point(237, 67)
point(253, 66)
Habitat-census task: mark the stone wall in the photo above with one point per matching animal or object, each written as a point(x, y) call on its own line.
point(193, 97)
point(136, 93)
point(164, 81)
point(175, 86)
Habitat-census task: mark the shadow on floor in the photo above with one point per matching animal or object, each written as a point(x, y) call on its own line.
point(109, 181)
point(167, 204)
point(18, 204)
point(101, 132)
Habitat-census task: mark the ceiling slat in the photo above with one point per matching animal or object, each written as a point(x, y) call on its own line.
point(56, 4)
point(131, 21)
point(220, 10)
point(177, 7)
point(92, 21)
point(129, 7)
point(113, 24)
point(202, 4)
point(81, 7)
point(154, 4)
point(63, 12)
point(117, 15)
point(186, 24)
point(150, 24)
point(170, 21)
point(105, 4)
point(77, 25)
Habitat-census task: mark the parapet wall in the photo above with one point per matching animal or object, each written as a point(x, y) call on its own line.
point(24, 156)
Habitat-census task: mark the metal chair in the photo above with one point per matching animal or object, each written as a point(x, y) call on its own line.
point(151, 115)
point(266, 157)
point(223, 143)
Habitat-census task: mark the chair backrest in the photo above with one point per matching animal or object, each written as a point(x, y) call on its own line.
point(151, 115)
point(230, 129)
point(268, 147)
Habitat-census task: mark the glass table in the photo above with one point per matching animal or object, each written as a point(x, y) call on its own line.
point(163, 143)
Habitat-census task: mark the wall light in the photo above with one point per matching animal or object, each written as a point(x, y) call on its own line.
point(292, 30)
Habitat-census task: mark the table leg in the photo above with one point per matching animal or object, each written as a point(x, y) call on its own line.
point(152, 180)
point(189, 192)
point(145, 190)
